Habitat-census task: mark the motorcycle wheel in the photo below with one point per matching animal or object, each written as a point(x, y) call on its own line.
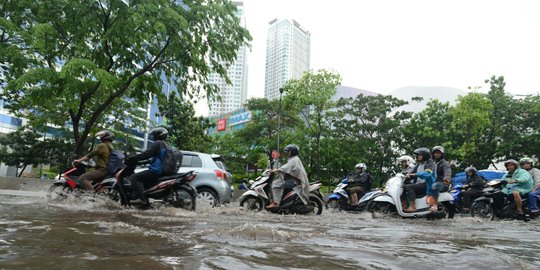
point(58, 192)
point(317, 205)
point(380, 209)
point(483, 209)
point(252, 203)
point(184, 198)
point(333, 205)
point(109, 193)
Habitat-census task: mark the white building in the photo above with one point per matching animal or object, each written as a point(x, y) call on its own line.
point(287, 54)
point(232, 95)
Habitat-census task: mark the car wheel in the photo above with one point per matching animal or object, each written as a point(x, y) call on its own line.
point(208, 197)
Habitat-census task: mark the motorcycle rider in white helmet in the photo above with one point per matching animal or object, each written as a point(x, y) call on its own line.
point(359, 183)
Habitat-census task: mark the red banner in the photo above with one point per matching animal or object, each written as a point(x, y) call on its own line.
point(222, 124)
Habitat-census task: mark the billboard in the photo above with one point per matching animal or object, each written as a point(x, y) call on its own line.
point(222, 124)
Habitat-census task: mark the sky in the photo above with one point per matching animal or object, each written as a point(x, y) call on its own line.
point(383, 45)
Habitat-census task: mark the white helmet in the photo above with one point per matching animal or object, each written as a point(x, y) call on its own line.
point(408, 159)
point(360, 166)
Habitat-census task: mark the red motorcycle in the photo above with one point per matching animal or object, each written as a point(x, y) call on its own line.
point(174, 190)
point(69, 182)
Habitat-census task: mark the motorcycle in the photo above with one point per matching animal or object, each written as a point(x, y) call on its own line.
point(260, 193)
point(389, 202)
point(488, 207)
point(339, 199)
point(173, 190)
point(69, 182)
point(456, 192)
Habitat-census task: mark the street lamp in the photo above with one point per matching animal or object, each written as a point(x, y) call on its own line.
point(279, 126)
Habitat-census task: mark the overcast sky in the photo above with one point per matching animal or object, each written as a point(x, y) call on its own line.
point(383, 45)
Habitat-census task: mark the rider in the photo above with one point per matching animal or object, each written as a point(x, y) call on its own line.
point(405, 164)
point(475, 185)
point(527, 164)
point(156, 152)
point(418, 189)
point(359, 182)
point(443, 174)
point(293, 170)
point(518, 183)
point(101, 156)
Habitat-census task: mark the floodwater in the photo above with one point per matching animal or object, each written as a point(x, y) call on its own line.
point(81, 233)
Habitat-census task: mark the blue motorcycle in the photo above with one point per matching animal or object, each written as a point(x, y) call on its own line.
point(339, 199)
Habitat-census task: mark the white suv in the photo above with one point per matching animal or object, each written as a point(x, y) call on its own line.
point(213, 181)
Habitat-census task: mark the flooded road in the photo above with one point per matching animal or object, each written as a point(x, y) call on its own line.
point(86, 234)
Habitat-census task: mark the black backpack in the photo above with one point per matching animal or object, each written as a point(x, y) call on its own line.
point(171, 161)
point(116, 161)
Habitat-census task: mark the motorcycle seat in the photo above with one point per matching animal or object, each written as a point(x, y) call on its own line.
point(173, 176)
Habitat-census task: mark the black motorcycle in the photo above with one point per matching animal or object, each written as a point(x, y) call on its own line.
point(174, 189)
point(493, 203)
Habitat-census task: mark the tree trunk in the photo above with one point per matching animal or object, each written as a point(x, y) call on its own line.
point(22, 170)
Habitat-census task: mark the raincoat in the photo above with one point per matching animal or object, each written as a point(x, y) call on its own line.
point(294, 168)
point(524, 184)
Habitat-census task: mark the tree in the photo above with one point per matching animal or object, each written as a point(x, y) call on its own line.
point(186, 131)
point(84, 61)
point(260, 135)
point(368, 129)
point(428, 128)
point(311, 96)
point(470, 120)
point(20, 149)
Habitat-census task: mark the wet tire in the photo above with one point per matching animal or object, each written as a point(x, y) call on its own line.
point(184, 198)
point(58, 192)
point(252, 203)
point(206, 196)
point(449, 209)
point(333, 205)
point(316, 204)
point(483, 209)
point(380, 209)
point(109, 193)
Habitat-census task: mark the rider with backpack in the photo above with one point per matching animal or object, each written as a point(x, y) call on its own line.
point(101, 156)
point(158, 154)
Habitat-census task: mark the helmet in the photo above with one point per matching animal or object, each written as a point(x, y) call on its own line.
point(471, 169)
point(423, 151)
point(293, 149)
point(360, 166)
point(526, 160)
point(406, 158)
point(511, 161)
point(159, 133)
point(439, 148)
point(105, 135)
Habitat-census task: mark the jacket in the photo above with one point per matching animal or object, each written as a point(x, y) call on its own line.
point(524, 184)
point(361, 179)
point(156, 152)
point(476, 183)
point(101, 155)
point(443, 170)
point(430, 164)
point(535, 174)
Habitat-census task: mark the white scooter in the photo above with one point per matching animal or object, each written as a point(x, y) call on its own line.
point(389, 202)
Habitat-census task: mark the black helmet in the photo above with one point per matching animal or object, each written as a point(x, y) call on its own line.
point(423, 151)
point(106, 135)
point(293, 149)
point(159, 133)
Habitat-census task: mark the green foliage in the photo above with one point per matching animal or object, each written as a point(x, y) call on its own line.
point(79, 62)
point(428, 128)
point(25, 147)
point(470, 119)
point(186, 131)
point(311, 96)
point(366, 129)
